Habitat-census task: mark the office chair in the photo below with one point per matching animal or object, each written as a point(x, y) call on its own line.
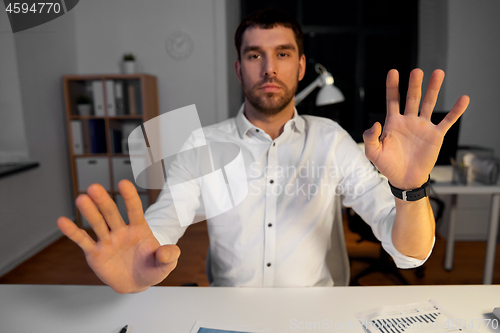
point(384, 263)
point(338, 258)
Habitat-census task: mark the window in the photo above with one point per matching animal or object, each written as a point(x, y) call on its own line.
point(358, 41)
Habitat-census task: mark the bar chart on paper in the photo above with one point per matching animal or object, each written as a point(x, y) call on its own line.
point(421, 317)
point(399, 325)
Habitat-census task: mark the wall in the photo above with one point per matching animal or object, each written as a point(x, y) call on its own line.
point(13, 144)
point(122, 26)
point(461, 37)
point(472, 62)
point(31, 201)
point(433, 41)
point(235, 94)
point(92, 38)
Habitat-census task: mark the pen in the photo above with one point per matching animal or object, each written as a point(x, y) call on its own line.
point(124, 329)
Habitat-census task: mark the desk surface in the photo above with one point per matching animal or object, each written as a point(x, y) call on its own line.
point(46, 308)
point(9, 169)
point(442, 174)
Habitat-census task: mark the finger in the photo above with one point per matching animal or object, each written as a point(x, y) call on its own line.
point(106, 206)
point(414, 92)
point(371, 139)
point(77, 235)
point(392, 92)
point(455, 113)
point(167, 256)
point(92, 215)
point(133, 202)
point(432, 93)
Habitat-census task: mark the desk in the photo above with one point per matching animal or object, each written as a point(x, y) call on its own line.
point(443, 185)
point(9, 169)
point(46, 308)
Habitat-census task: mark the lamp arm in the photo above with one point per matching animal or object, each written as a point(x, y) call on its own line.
point(309, 89)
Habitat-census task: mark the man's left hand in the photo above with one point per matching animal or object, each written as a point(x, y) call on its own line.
point(409, 145)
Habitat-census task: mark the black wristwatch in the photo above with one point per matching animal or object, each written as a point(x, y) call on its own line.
point(412, 195)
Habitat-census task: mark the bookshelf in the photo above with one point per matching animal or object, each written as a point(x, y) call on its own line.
point(97, 133)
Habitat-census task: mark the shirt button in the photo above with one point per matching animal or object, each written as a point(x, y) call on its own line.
point(268, 264)
point(256, 130)
point(274, 143)
point(270, 225)
point(271, 181)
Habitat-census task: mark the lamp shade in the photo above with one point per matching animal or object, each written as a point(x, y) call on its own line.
point(329, 94)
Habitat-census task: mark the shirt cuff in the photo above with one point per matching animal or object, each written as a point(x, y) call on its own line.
point(401, 260)
point(160, 236)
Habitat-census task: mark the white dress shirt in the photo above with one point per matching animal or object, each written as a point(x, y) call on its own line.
point(279, 234)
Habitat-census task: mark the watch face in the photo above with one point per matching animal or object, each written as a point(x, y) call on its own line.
point(179, 45)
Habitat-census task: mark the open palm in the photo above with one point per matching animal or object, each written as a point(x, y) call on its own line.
point(128, 258)
point(409, 145)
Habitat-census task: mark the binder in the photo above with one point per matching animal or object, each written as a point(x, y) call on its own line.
point(131, 99)
point(76, 130)
point(119, 99)
point(127, 128)
point(87, 146)
point(134, 97)
point(98, 96)
point(138, 96)
point(97, 136)
point(116, 141)
point(110, 98)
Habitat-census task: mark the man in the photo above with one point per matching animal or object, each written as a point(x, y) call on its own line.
point(280, 238)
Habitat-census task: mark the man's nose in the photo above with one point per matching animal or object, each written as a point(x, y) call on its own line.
point(269, 68)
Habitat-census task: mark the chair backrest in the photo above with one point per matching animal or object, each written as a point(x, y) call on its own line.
point(337, 258)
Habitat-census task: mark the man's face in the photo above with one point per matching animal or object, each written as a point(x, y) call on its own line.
point(270, 68)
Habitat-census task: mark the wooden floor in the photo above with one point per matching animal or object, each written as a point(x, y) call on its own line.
point(63, 263)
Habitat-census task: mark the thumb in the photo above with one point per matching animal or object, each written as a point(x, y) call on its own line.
point(370, 137)
point(167, 254)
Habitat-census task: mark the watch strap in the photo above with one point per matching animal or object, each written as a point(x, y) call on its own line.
point(412, 195)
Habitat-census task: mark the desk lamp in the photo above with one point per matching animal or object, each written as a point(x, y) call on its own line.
point(328, 94)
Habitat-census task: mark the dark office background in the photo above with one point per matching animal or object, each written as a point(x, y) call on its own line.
point(358, 41)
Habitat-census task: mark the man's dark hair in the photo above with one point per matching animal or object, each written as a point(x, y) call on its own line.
point(268, 19)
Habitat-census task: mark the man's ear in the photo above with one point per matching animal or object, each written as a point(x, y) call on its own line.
point(237, 68)
point(302, 67)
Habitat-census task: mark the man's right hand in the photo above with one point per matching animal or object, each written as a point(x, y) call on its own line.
point(128, 258)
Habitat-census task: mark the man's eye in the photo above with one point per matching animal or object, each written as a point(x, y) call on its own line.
point(283, 54)
point(253, 56)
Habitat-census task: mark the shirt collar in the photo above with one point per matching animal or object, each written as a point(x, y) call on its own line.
point(244, 125)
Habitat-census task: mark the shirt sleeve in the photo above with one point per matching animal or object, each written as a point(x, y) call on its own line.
point(163, 215)
point(368, 193)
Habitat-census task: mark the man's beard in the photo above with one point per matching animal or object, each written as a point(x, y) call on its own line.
point(269, 103)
